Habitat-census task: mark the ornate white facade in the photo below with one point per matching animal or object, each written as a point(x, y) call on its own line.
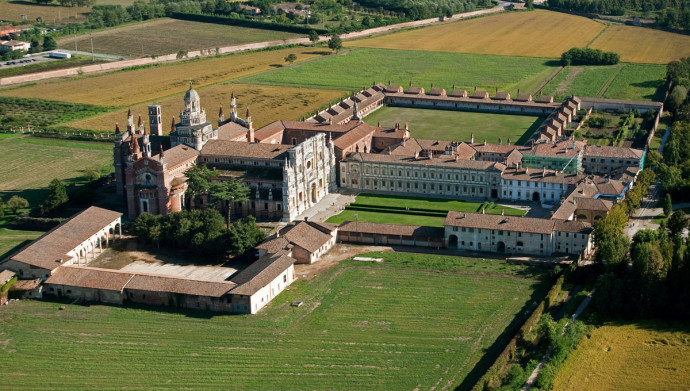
point(193, 130)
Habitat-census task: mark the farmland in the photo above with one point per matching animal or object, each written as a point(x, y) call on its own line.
point(637, 81)
point(632, 356)
point(129, 87)
point(644, 45)
point(377, 208)
point(457, 125)
point(38, 113)
point(267, 104)
point(346, 70)
point(539, 34)
point(582, 81)
point(363, 326)
point(530, 34)
point(53, 14)
point(30, 163)
point(165, 36)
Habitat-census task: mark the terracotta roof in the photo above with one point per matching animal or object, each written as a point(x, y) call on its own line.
point(609, 187)
point(593, 204)
point(154, 283)
point(480, 95)
point(459, 93)
point(324, 227)
point(613, 152)
point(523, 98)
point(537, 175)
point(644, 103)
point(5, 276)
point(498, 222)
point(261, 273)
point(415, 90)
point(495, 148)
point(544, 99)
point(440, 160)
point(436, 91)
point(47, 251)
point(274, 245)
point(304, 235)
point(563, 149)
point(26, 285)
point(244, 149)
point(502, 96)
point(392, 88)
point(177, 155)
point(231, 131)
point(348, 139)
point(269, 130)
point(88, 277)
point(398, 133)
point(392, 229)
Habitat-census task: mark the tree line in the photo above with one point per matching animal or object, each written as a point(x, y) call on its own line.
point(587, 56)
point(675, 14)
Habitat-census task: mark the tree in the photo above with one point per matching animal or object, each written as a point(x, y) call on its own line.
point(2, 208)
point(229, 191)
point(676, 97)
point(335, 43)
point(313, 36)
point(16, 202)
point(677, 223)
point(49, 43)
point(57, 194)
point(244, 235)
point(668, 205)
point(529, 4)
point(291, 58)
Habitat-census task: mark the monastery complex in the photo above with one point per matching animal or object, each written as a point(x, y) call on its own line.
point(290, 166)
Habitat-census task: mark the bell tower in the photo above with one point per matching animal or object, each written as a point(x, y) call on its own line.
point(155, 121)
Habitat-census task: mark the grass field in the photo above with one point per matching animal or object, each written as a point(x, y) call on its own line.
point(582, 81)
point(644, 355)
point(39, 113)
point(457, 125)
point(53, 14)
point(413, 321)
point(267, 104)
point(638, 44)
point(637, 82)
point(346, 70)
point(165, 36)
point(11, 241)
point(376, 208)
point(530, 34)
point(149, 84)
point(30, 163)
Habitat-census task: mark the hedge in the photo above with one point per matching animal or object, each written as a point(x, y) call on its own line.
point(291, 28)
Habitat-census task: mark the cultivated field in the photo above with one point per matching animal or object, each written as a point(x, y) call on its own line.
point(637, 44)
point(266, 103)
point(53, 14)
point(378, 208)
point(582, 81)
point(537, 34)
point(530, 34)
point(120, 89)
point(346, 70)
point(645, 355)
point(457, 125)
point(165, 36)
point(413, 321)
point(637, 81)
point(30, 163)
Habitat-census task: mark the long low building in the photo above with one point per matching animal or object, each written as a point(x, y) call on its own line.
point(517, 235)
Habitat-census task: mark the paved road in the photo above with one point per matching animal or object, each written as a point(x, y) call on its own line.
point(97, 55)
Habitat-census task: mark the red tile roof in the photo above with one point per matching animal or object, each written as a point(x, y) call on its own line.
point(88, 277)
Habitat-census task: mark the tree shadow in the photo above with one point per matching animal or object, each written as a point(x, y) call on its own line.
point(276, 65)
point(552, 63)
point(319, 52)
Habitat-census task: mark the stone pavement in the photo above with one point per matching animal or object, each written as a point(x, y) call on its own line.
point(331, 204)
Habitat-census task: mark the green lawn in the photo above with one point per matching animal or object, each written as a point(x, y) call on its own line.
point(378, 208)
point(637, 82)
point(11, 241)
point(457, 125)
point(357, 68)
point(413, 321)
point(30, 163)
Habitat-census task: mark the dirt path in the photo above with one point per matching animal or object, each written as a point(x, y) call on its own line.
point(339, 252)
point(606, 85)
point(564, 85)
point(543, 84)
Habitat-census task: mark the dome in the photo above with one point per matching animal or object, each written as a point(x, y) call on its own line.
point(191, 95)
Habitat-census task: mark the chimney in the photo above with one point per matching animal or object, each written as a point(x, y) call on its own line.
point(389, 149)
point(162, 156)
point(475, 89)
point(496, 90)
point(483, 211)
point(500, 141)
point(453, 85)
point(379, 124)
point(472, 138)
point(389, 82)
point(502, 212)
point(416, 155)
point(172, 127)
point(526, 170)
point(306, 218)
point(508, 140)
point(543, 173)
point(407, 127)
point(484, 142)
point(518, 91)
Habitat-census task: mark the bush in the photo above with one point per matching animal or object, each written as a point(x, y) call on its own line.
point(587, 56)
